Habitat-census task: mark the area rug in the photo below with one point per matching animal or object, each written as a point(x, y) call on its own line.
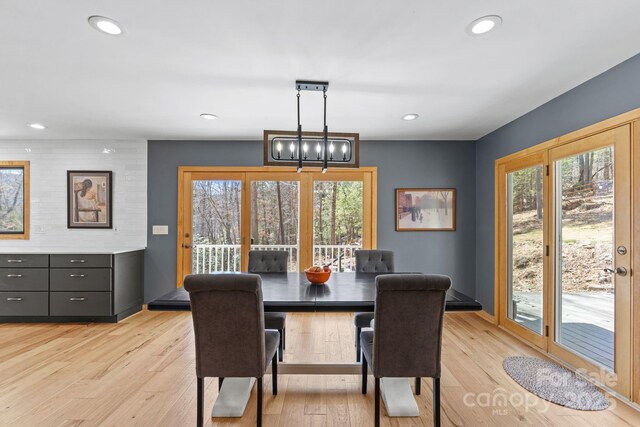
point(554, 383)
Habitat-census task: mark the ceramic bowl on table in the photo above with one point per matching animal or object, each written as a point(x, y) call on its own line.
point(317, 277)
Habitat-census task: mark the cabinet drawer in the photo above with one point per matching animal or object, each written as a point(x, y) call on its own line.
point(24, 279)
point(80, 261)
point(24, 303)
point(80, 304)
point(24, 260)
point(81, 279)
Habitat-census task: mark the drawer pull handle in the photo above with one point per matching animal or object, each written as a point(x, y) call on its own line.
point(77, 260)
point(14, 276)
point(76, 275)
point(14, 260)
point(14, 299)
point(76, 299)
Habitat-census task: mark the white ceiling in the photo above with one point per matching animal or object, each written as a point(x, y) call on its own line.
point(239, 59)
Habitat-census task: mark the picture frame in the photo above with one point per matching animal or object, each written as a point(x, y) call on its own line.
point(89, 199)
point(425, 209)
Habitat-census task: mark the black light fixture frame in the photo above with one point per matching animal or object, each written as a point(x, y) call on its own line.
point(349, 142)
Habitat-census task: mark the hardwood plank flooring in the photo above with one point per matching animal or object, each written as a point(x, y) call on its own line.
point(141, 372)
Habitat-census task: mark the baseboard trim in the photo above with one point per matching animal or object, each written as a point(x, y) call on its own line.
point(488, 317)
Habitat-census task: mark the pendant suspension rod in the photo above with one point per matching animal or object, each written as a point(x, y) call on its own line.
point(299, 136)
point(326, 132)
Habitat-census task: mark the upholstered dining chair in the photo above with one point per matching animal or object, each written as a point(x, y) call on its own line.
point(228, 324)
point(370, 261)
point(271, 262)
point(407, 337)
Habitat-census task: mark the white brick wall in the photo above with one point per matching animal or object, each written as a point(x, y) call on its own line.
point(50, 160)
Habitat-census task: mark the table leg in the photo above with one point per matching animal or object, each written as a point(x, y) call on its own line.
point(398, 397)
point(233, 397)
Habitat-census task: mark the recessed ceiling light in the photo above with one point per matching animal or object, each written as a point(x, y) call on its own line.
point(411, 116)
point(37, 126)
point(483, 25)
point(106, 25)
point(208, 116)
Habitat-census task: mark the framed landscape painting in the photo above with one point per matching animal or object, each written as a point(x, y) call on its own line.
point(425, 209)
point(89, 199)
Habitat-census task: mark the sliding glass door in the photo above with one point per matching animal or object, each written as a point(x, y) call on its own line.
point(316, 218)
point(591, 287)
point(563, 252)
point(524, 245)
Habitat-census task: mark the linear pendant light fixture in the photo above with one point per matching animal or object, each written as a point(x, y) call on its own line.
point(300, 143)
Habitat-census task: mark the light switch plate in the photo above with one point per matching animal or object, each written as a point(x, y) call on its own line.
point(160, 229)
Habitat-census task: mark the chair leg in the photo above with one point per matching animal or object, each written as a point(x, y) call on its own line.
point(200, 400)
point(365, 369)
point(436, 402)
point(274, 375)
point(358, 344)
point(259, 420)
point(284, 341)
point(220, 380)
point(281, 345)
point(377, 404)
point(418, 386)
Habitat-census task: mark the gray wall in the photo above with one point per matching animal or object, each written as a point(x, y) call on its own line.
point(611, 93)
point(400, 164)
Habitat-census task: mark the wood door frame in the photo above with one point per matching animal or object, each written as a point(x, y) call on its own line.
point(623, 297)
point(367, 174)
point(504, 168)
point(633, 118)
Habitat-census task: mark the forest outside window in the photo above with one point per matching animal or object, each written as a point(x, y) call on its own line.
point(14, 199)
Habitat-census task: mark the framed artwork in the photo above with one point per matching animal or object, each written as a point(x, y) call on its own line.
point(425, 209)
point(14, 200)
point(89, 199)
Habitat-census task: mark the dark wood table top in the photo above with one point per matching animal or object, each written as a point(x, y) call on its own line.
point(293, 292)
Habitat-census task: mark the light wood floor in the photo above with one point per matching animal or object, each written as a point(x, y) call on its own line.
point(141, 372)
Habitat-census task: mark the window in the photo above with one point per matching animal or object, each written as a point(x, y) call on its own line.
point(14, 200)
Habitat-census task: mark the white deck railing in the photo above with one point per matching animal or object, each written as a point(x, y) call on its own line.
point(215, 258)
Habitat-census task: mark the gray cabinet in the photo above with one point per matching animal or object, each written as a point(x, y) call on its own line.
point(70, 287)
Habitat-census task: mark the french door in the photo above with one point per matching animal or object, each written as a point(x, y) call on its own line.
point(564, 247)
point(316, 218)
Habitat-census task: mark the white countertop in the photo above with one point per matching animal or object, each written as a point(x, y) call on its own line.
point(58, 251)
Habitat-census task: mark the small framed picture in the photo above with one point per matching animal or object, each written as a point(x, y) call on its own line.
point(425, 209)
point(89, 199)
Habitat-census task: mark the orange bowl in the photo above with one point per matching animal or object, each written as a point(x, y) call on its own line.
point(317, 278)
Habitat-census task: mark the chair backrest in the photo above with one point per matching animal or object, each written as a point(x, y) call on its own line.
point(268, 261)
point(228, 324)
point(374, 261)
point(409, 315)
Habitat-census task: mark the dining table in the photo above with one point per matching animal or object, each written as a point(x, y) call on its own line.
point(292, 292)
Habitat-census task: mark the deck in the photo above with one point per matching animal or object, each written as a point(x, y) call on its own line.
point(587, 327)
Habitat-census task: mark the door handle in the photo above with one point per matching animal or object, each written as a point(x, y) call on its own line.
point(620, 271)
point(14, 276)
point(187, 246)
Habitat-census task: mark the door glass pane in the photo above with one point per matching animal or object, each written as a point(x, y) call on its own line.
point(525, 247)
point(585, 245)
point(216, 226)
point(337, 223)
point(274, 218)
